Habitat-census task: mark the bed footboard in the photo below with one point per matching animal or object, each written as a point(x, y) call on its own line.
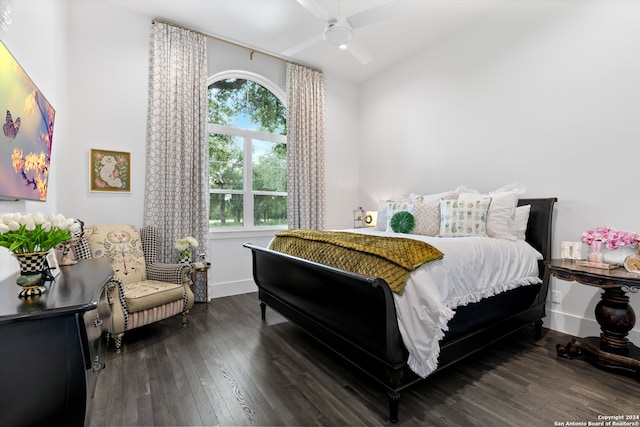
point(322, 300)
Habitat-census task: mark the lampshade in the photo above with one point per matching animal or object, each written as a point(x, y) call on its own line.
point(371, 218)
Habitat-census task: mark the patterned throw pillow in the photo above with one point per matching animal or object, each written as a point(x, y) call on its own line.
point(122, 244)
point(464, 217)
point(427, 217)
point(381, 219)
point(393, 207)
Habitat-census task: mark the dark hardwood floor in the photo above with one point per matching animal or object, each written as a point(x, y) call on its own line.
point(228, 368)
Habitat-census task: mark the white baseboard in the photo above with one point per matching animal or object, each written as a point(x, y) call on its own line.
point(226, 289)
point(580, 327)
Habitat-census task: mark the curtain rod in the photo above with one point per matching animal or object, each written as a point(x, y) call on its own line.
point(252, 50)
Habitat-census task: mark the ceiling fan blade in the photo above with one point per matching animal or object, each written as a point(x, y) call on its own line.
point(378, 14)
point(359, 52)
point(305, 44)
point(316, 9)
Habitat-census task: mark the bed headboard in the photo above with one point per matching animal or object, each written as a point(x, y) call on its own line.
point(540, 224)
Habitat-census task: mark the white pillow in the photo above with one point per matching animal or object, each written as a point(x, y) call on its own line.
point(501, 214)
point(514, 187)
point(426, 198)
point(519, 224)
point(464, 217)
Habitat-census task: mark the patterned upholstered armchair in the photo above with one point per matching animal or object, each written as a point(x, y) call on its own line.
point(143, 290)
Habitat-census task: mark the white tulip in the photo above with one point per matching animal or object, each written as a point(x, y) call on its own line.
point(29, 223)
point(66, 224)
point(38, 218)
point(13, 225)
point(6, 217)
point(4, 228)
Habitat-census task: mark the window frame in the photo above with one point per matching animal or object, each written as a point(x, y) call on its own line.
point(247, 136)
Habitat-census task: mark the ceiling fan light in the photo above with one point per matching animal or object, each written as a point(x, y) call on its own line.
point(338, 35)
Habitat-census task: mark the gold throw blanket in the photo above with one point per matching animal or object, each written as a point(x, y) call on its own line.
point(390, 258)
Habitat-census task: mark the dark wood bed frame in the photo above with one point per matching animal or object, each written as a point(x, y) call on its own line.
point(355, 315)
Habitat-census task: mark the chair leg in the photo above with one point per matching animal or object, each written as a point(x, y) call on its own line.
point(185, 318)
point(117, 342)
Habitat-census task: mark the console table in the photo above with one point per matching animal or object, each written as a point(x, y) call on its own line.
point(611, 350)
point(52, 347)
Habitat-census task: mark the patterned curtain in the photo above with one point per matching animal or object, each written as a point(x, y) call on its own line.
point(177, 175)
point(305, 147)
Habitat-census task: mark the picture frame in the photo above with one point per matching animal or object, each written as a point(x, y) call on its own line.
point(27, 133)
point(110, 171)
point(52, 262)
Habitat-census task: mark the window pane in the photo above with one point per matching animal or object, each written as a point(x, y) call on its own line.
point(269, 166)
point(226, 162)
point(269, 210)
point(225, 210)
point(246, 104)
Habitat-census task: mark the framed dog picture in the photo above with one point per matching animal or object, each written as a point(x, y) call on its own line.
point(110, 171)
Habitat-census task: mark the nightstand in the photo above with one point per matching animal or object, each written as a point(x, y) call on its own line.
point(611, 350)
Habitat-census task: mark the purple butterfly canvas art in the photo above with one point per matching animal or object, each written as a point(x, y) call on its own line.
point(27, 132)
point(11, 128)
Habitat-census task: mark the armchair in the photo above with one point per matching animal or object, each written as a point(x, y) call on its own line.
point(143, 290)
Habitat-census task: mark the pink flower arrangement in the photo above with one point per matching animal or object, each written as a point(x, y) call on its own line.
point(613, 239)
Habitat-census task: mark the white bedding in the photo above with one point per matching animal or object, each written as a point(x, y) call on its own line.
point(472, 268)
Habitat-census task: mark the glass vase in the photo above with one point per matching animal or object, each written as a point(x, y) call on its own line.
point(595, 252)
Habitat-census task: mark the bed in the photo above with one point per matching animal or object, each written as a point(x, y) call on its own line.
point(362, 324)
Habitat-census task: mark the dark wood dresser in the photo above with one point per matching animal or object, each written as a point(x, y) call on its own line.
point(51, 347)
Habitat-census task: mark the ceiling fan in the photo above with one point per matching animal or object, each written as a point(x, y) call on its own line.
point(340, 29)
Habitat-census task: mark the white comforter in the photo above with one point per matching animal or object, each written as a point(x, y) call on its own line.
point(472, 268)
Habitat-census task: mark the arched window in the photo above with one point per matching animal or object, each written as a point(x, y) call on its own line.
point(248, 154)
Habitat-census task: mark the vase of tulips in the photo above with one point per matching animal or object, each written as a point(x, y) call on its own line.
point(29, 237)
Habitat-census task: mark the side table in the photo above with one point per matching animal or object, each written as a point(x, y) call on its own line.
point(202, 269)
point(611, 350)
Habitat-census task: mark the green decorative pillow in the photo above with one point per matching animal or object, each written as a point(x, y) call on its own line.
point(402, 222)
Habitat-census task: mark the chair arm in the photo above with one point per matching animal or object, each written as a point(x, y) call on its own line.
point(114, 289)
point(172, 273)
point(119, 319)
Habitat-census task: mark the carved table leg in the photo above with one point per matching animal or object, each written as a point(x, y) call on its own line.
point(616, 318)
point(611, 350)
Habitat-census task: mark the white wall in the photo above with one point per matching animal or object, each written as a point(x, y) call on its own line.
point(37, 39)
point(108, 74)
point(545, 93)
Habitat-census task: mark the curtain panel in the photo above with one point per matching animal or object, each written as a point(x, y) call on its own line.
point(305, 147)
point(177, 172)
